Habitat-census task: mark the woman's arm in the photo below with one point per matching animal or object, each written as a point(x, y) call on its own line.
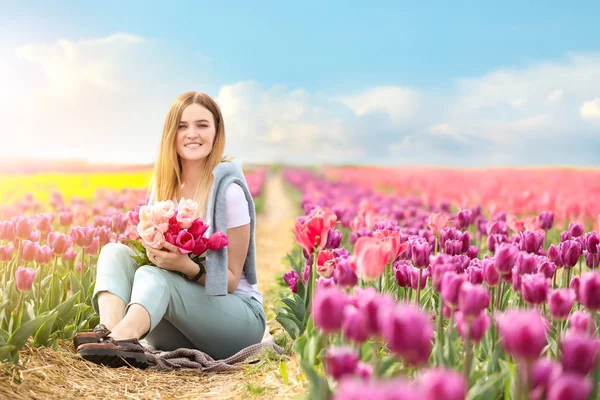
point(237, 250)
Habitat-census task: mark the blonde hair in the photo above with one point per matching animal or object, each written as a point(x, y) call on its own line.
point(167, 169)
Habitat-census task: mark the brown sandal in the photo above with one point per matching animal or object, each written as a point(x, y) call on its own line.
point(91, 336)
point(115, 353)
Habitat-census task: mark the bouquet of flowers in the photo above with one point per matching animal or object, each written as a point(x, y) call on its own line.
point(165, 222)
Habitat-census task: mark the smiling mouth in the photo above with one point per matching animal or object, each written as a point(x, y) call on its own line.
point(193, 146)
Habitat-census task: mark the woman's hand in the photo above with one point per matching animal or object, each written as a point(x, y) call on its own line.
point(171, 259)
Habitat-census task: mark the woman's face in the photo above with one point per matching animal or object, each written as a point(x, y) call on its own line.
point(195, 133)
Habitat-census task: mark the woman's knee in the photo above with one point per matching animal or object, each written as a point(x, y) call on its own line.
point(151, 275)
point(116, 255)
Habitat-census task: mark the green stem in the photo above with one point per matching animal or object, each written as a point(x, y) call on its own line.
point(468, 356)
point(17, 314)
point(375, 357)
point(51, 303)
point(16, 265)
point(440, 337)
point(558, 338)
point(419, 287)
point(500, 293)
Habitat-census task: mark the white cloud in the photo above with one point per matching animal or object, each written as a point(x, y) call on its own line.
point(555, 96)
point(590, 109)
point(105, 99)
point(400, 103)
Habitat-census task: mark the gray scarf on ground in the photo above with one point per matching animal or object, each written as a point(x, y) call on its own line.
point(226, 173)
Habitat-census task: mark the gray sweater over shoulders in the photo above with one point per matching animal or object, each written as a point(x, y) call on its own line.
point(226, 173)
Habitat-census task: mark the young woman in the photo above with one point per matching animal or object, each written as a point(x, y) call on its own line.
point(175, 303)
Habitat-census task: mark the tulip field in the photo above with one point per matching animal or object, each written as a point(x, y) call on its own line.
point(52, 227)
point(445, 284)
point(409, 283)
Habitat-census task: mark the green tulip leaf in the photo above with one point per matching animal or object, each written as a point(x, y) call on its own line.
point(20, 336)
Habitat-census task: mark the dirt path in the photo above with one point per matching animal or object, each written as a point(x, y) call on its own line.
point(52, 374)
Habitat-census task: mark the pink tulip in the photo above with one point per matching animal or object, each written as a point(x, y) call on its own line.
point(522, 333)
point(69, 254)
point(28, 251)
point(408, 333)
point(392, 238)
point(23, 228)
point(43, 255)
point(472, 299)
point(325, 263)
point(65, 218)
point(59, 243)
point(442, 383)
point(340, 361)
point(579, 352)
point(474, 327)
point(451, 284)
point(543, 373)
point(437, 222)
point(569, 387)
point(354, 325)
point(589, 290)
point(44, 223)
point(505, 258)
point(583, 322)
point(534, 288)
point(370, 258)
point(94, 248)
point(6, 253)
point(197, 229)
point(328, 309)
point(217, 241)
point(24, 278)
point(560, 302)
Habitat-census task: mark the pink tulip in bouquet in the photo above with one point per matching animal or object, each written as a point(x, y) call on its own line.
point(166, 222)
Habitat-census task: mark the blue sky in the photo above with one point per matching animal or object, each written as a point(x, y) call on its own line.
point(435, 83)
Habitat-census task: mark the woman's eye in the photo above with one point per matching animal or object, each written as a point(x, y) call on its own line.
point(181, 126)
point(202, 126)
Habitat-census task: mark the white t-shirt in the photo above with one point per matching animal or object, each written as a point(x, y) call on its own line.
point(238, 215)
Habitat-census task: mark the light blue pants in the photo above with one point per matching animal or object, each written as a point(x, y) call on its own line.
point(181, 314)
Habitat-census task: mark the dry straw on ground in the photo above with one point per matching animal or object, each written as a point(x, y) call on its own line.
point(47, 374)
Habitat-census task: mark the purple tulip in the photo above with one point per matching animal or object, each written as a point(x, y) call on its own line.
point(543, 373)
point(491, 275)
point(401, 273)
point(414, 277)
point(569, 387)
point(589, 290)
point(461, 261)
point(465, 238)
point(579, 352)
point(420, 254)
point(546, 267)
point(464, 219)
point(591, 260)
point(442, 383)
point(374, 307)
point(451, 284)
point(473, 251)
point(475, 275)
point(437, 274)
point(453, 247)
point(592, 240)
point(334, 239)
point(358, 389)
point(505, 258)
point(516, 280)
point(306, 271)
point(496, 227)
point(474, 328)
point(472, 299)
point(531, 241)
point(534, 288)
point(364, 371)
point(343, 274)
point(522, 333)
point(576, 229)
point(328, 309)
point(408, 332)
point(565, 236)
point(560, 302)
point(570, 251)
point(526, 263)
point(291, 278)
point(324, 283)
point(580, 321)
point(546, 219)
point(354, 325)
point(575, 284)
point(554, 255)
point(340, 361)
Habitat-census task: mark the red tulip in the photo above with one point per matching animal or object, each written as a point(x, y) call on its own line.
point(311, 232)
